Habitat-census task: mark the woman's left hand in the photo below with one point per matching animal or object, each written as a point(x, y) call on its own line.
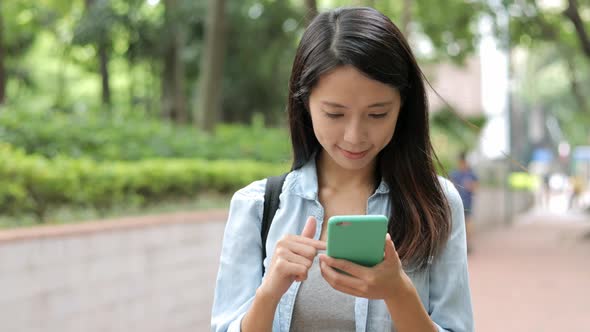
point(382, 281)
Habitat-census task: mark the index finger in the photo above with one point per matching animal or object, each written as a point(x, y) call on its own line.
point(319, 245)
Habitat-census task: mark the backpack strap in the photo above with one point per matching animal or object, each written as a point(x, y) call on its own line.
point(272, 191)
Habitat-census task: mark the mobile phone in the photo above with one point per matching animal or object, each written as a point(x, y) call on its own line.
point(357, 238)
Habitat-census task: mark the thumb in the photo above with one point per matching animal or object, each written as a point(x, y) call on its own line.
point(389, 247)
point(309, 229)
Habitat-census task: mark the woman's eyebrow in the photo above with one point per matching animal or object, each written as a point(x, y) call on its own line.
point(331, 104)
point(336, 105)
point(381, 104)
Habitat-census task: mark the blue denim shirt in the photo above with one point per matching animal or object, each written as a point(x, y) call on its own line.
point(443, 286)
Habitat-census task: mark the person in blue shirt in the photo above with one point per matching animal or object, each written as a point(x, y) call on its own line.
point(466, 182)
point(358, 117)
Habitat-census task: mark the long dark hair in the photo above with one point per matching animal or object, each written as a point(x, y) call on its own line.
point(419, 220)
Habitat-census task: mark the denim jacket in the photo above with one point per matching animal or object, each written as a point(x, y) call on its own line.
point(443, 286)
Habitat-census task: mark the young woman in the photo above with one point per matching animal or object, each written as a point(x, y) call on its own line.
point(358, 117)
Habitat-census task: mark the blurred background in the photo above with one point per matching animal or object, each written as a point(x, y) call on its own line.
point(126, 125)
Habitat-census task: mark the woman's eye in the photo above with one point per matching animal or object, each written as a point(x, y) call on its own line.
point(378, 115)
point(334, 115)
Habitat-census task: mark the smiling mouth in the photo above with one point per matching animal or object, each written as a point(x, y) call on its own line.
point(353, 155)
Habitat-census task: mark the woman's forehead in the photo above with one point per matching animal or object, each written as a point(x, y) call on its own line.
point(347, 86)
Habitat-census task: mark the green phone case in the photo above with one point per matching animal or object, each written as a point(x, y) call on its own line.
point(359, 239)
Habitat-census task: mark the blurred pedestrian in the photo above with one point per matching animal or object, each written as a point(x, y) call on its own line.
point(577, 186)
point(466, 183)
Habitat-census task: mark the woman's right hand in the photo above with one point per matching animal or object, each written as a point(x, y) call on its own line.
point(292, 258)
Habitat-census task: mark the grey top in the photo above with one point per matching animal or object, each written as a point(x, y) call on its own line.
point(319, 307)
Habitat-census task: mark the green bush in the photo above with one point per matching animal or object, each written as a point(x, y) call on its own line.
point(35, 184)
point(123, 136)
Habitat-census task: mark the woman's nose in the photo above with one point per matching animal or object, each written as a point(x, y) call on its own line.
point(356, 132)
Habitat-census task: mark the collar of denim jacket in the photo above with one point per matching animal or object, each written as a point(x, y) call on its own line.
point(304, 181)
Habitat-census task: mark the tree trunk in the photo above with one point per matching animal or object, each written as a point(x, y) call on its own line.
point(180, 104)
point(406, 18)
point(104, 72)
point(209, 103)
point(311, 7)
point(61, 79)
point(167, 84)
point(573, 14)
point(2, 70)
point(150, 84)
point(575, 84)
point(550, 33)
point(103, 59)
point(173, 82)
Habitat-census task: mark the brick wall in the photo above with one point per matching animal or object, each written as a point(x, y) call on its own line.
point(127, 275)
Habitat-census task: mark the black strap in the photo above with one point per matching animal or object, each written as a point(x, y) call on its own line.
point(272, 191)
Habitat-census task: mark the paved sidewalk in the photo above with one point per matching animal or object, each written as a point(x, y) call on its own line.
point(533, 275)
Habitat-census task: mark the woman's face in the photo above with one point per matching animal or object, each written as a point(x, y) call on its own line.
point(353, 116)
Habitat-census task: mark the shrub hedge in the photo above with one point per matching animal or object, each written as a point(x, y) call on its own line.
point(124, 136)
point(35, 183)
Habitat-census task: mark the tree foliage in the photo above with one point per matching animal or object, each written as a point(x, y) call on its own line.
point(53, 49)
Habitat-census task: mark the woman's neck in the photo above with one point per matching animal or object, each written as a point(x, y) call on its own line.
point(331, 175)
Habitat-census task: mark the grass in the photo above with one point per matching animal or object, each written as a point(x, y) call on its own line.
point(69, 215)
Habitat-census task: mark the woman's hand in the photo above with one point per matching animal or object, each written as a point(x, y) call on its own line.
point(292, 258)
point(382, 281)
